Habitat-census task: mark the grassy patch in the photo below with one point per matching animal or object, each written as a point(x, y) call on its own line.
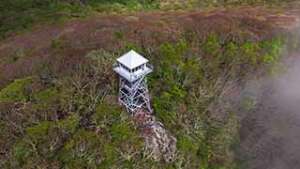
point(19, 90)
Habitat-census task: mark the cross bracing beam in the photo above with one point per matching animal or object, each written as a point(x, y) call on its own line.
point(134, 95)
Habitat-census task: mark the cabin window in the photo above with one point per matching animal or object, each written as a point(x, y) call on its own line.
point(124, 67)
point(134, 69)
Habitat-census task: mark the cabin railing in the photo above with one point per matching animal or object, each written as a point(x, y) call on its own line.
point(132, 75)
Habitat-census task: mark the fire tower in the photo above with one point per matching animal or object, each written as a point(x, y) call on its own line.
point(133, 90)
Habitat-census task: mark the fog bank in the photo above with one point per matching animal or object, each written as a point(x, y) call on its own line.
point(270, 120)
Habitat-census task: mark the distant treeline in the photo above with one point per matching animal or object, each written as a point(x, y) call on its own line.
point(21, 14)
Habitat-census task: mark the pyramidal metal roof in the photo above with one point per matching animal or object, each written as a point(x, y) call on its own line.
point(132, 59)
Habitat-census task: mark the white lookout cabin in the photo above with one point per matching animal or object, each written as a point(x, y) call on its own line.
point(132, 65)
point(132, 69)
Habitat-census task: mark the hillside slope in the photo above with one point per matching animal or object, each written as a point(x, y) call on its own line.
point(58, 92)
point(76, 38)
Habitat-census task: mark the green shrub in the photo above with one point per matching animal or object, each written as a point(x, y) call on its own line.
point(84, 149)
point(110, 154)
point(47, 131)
point(187, 145)
point(211, 45)
point(21, 151)
point(69, 124)
point(41, 142)
point(15, 56)
point(17, 91)
point(248, 103)
point(38, 132)
point(272, 50)
point(122, 131)
point(106, 115)
point(57, 43)
point(46, 95)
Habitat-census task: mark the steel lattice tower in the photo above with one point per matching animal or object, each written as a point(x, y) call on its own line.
point(133, 90)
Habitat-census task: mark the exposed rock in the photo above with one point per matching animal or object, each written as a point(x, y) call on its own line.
point(159, 143)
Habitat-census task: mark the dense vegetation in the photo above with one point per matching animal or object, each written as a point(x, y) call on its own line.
point(75, 122)
point(72, 119)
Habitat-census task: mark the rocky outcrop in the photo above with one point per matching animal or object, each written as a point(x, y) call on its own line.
point(159, 143)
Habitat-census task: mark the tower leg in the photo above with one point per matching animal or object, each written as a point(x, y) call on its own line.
point(135, 95)
point(120, 93)
point(149, 108)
